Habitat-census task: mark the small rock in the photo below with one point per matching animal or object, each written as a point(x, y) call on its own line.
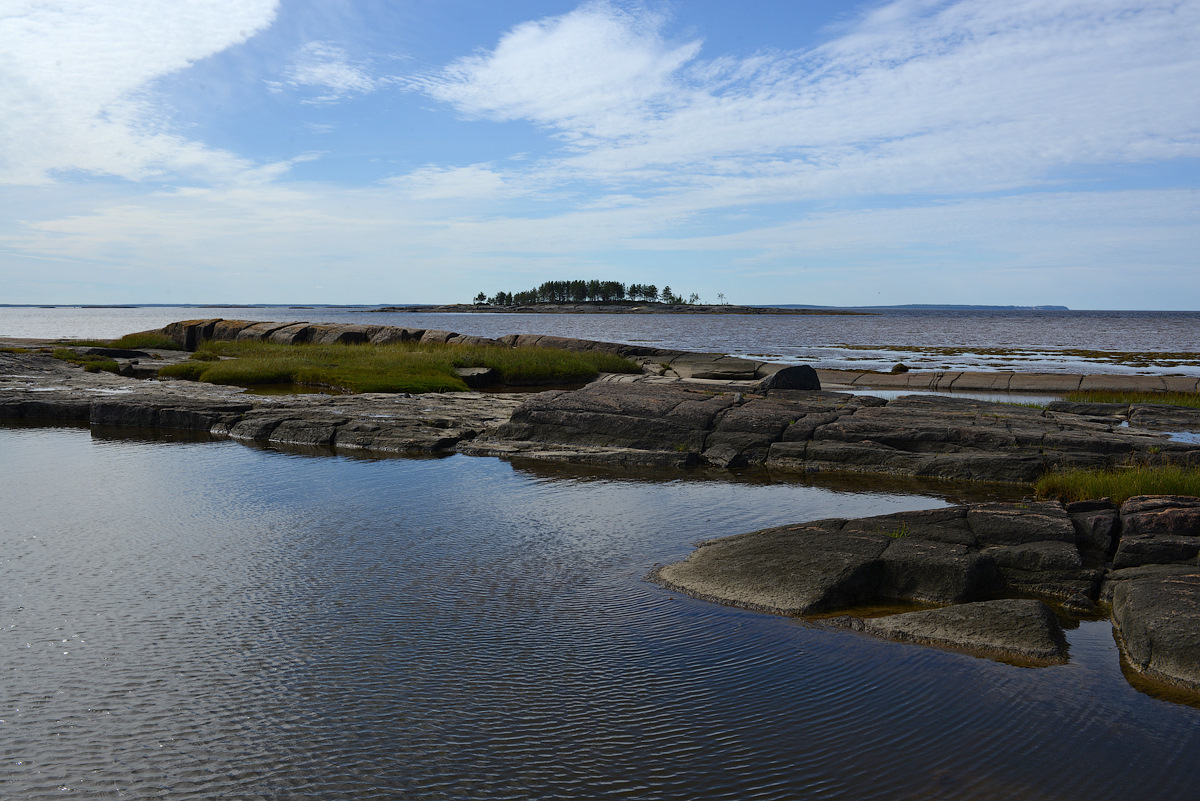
point(1012, 629)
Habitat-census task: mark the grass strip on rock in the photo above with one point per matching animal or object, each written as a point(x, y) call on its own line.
point(1119, 484)
point(144, 340)
point(92, 364)
point(397, 367)
point(1189, 399)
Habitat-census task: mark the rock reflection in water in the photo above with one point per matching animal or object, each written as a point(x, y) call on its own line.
point(199, 620)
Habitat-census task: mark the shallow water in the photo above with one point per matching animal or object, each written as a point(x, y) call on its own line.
point(200, 620)
point(1037, 338)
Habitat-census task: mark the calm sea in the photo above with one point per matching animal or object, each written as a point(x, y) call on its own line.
point(199, 620)
point(1044, 341)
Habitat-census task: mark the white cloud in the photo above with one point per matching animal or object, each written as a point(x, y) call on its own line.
point(922, 96)
point(73, 80)
point(327, 68)
point(594, 71)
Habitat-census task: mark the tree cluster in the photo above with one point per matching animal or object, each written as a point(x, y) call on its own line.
point(584, 292)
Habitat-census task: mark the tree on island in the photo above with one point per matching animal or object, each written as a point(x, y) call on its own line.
point(591, 291)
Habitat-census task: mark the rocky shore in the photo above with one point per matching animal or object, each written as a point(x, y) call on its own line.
point(993, 566)
point(684, 409)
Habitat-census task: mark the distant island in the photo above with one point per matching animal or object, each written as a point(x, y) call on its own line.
point(607, 307)
point(603, 297)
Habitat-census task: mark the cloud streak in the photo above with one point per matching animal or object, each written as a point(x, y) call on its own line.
point(74, 81)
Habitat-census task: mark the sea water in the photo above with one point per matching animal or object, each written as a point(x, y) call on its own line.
point(197, 620)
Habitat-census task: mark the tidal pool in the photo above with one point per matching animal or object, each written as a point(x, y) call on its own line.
point(205, 620)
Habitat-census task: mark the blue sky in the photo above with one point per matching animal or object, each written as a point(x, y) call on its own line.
point(913, 151)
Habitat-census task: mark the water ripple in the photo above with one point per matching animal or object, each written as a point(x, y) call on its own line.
point(199, 621)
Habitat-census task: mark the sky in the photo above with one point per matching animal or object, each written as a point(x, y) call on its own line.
point(1025, 152)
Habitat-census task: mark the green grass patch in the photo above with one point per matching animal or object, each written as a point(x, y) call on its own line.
point(1189, 399)
point(1119, 484)
point(398, 367)
point(145, 340)
point(14, 350)
point(92, 364)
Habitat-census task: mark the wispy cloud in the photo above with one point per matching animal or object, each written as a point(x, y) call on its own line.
point(328, 69)
point(74, 78)
point(475, 182)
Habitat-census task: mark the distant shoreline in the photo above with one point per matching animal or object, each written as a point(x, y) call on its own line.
point(606, 308)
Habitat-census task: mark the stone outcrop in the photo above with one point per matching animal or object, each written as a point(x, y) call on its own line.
point(799, 376)
point(37, 387)
point(944, 556)
point(977, 559)
point(1157, 618)
point(920, 435)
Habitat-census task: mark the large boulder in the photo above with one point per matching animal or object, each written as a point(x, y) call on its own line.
point(799, 377)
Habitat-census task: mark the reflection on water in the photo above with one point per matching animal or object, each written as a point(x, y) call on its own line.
point(200, 620)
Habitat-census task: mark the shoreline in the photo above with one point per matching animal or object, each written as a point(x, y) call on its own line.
point(683, 410)
point(688, 410)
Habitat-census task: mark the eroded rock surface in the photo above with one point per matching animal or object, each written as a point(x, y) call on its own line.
point(919, 435)
point(1013, 629)
point(646, 420)
point(979, 560)
point(945, 556)
point(1157, 619)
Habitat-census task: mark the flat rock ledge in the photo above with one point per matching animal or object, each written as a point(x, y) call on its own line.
point(991, 566)
point(1016, 630)
point(683, 410)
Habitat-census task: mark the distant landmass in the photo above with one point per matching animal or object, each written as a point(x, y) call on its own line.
point(929, 306)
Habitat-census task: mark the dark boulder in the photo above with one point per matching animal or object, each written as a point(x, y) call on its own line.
point(800, 377)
